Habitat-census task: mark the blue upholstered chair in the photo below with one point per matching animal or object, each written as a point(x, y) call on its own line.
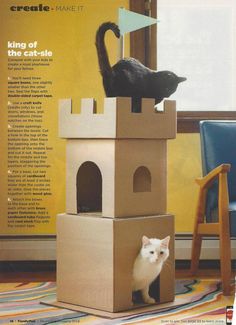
point(216, 207)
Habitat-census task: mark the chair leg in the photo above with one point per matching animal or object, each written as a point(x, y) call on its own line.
point(196, 252)
point(225, 244)
point(197, 238)
point(225, 264)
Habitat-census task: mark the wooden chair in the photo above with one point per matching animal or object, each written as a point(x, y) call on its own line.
point(216, 206)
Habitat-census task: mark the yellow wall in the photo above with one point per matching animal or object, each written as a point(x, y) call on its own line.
point(184, 166)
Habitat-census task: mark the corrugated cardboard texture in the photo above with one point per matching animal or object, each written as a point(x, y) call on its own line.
point(118, 161)
point(128, 234)
point(95, 259)
point(100, 152)
point(129, 156)
point(85, 261)
point(117, 121)
point(132, 312)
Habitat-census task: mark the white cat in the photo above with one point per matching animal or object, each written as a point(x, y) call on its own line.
point(148, 265)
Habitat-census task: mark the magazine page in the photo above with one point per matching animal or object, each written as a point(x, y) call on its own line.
point(47, 53)
point(99, 157)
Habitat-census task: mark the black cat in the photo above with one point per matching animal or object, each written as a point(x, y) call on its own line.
point(130, 78)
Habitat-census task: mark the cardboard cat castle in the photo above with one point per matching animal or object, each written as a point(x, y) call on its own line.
point(116, 181)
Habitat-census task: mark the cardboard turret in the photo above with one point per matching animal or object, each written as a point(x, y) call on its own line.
point(116, 192)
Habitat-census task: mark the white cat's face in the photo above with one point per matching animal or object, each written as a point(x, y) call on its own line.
point(155, 250)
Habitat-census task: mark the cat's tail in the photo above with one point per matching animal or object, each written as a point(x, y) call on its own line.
point(103, 59)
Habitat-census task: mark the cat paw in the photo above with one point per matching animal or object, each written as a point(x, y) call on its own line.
point(150, 300)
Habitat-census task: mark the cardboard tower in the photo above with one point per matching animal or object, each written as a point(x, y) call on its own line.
point(115, 193)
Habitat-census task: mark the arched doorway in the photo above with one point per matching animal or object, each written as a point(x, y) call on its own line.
point(89, 188)
point(142, 180)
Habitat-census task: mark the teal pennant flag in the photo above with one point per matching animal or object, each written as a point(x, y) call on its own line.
point(130, 21)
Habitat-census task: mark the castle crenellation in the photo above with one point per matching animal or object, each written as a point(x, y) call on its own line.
point(117, 120)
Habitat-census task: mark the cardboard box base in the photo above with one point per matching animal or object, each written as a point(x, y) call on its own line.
point(140, 309)
point(107, 249)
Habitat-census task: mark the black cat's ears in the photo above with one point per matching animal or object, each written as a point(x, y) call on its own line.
point(181, 79)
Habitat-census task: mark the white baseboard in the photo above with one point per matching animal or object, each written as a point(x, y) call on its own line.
point(44, 249)
point(28, 249)
point(209, 251)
